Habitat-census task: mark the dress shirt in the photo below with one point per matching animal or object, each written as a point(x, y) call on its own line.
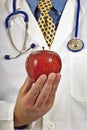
point(55, 12)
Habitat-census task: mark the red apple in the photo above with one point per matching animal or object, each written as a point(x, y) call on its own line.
point(42, 62)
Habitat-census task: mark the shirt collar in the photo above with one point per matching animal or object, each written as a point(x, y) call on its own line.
point(58, 4)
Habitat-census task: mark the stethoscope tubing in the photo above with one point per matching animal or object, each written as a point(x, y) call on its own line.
point(26, 19)
point(8, 57)
point(77, 19)
point(15, 12)
point(14, 5)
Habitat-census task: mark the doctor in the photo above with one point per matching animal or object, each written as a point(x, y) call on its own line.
point(66, 107)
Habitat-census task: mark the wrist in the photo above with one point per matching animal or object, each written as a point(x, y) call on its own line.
point(18, 123)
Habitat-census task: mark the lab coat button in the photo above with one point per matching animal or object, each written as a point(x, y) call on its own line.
point(75, 45)
point(51, 125)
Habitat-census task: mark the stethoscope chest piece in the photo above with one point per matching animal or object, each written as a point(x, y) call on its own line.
point(75, 45)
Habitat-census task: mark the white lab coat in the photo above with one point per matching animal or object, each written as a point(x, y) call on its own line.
point(70, 108)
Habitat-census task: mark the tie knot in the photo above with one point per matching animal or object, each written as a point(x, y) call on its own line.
point(44, 6)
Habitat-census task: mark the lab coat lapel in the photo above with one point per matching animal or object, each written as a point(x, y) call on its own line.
point(34, 32)
point(66, 25)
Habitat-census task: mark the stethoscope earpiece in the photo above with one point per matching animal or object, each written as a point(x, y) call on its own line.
point(8, 57)
point(32, 45)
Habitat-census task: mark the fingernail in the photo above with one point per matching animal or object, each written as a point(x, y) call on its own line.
point(52, 75)
point(59, 75)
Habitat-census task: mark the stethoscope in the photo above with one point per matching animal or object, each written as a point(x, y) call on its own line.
point(73, 45)
point(26, 20)
point(76, 44)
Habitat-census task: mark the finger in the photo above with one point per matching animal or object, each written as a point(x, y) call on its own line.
point(44, 94)
point(53, 90)
point(26, 86)
point(35, 90)
point(56, 83)
point(50, 103)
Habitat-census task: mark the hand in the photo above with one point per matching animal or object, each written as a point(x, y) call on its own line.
point(35, 100)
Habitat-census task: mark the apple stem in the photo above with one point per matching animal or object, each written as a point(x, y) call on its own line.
point(43, 48)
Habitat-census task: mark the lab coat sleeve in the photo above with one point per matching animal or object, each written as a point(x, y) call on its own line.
point(6, 115)
point(29, 127)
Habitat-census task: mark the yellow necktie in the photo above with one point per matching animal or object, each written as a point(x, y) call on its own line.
point(46, 22)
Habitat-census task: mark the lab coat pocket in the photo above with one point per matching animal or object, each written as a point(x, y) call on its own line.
point(78, 76)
